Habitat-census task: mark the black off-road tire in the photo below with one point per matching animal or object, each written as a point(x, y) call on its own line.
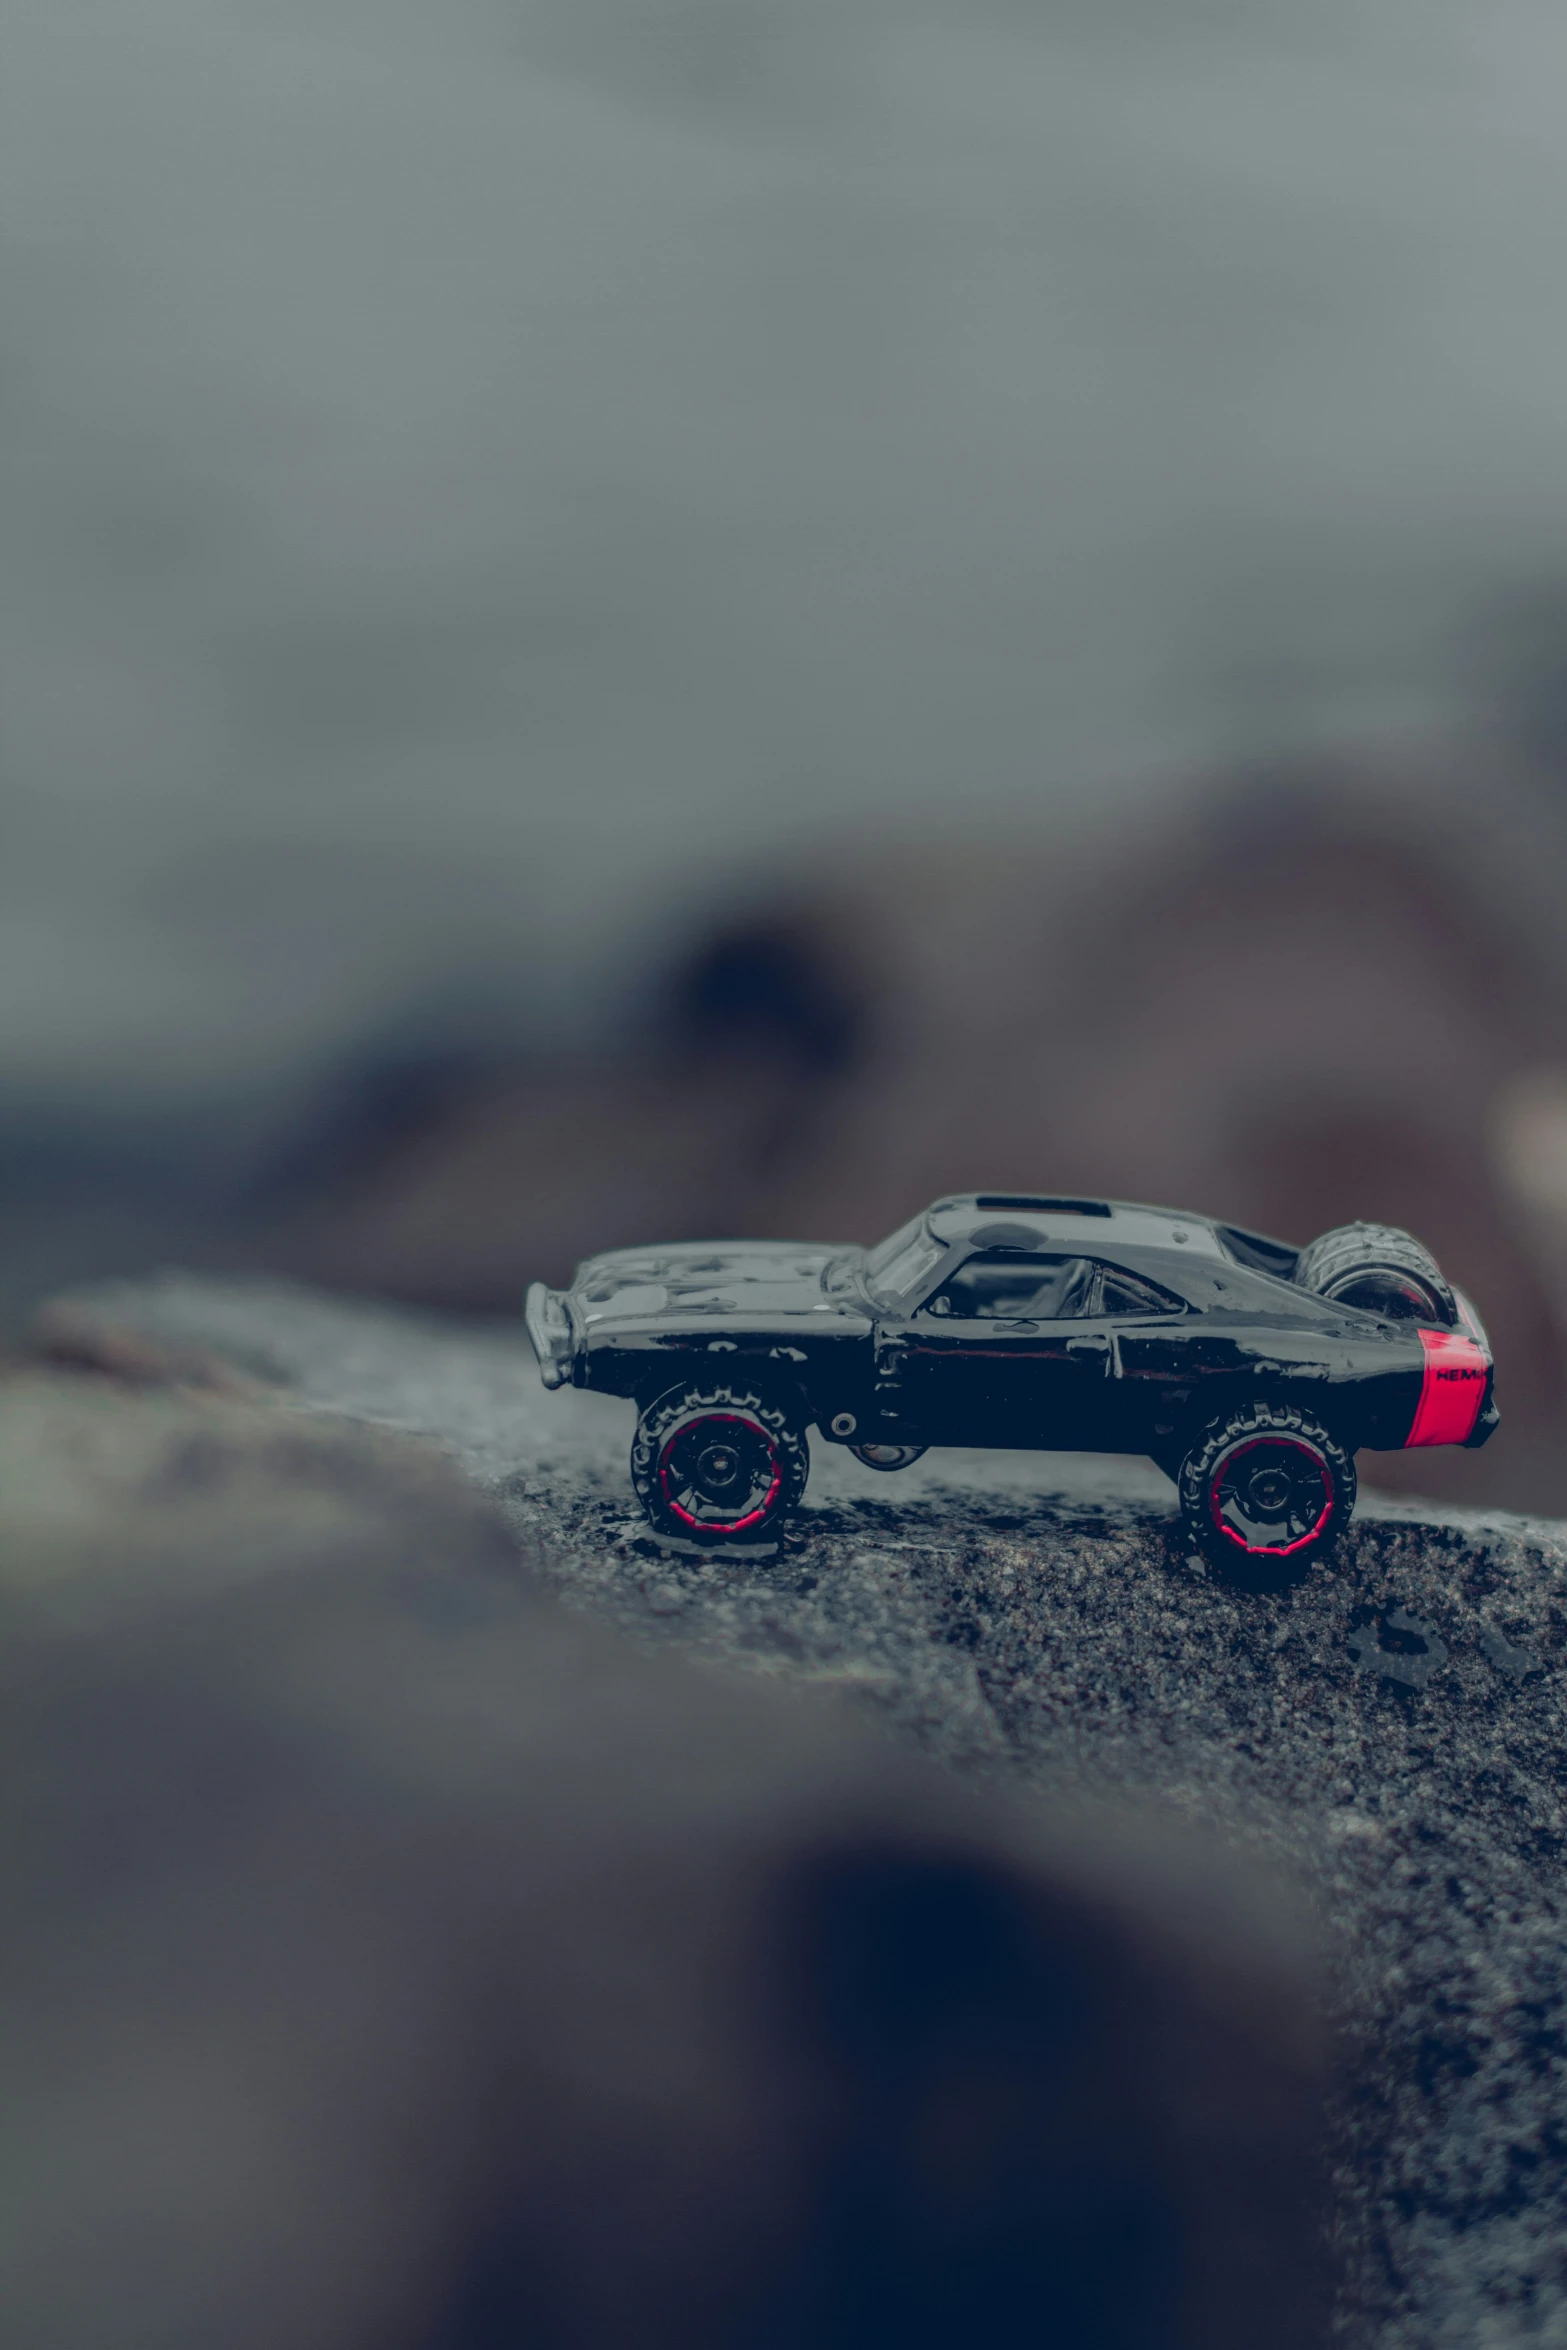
point(1266, 1491)
point(1379, 1268)
point(723, 1462)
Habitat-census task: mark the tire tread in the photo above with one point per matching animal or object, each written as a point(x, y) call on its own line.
point(1351, 1248)
point(1261, 1419)
point(784, 1424)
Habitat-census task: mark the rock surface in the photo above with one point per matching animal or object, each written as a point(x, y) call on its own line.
point(1389, 1730)
point(393, 1954)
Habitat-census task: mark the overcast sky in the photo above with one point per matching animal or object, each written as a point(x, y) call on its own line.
point(475, 475)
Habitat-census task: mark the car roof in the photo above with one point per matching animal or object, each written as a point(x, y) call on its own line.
point(1096, 1226)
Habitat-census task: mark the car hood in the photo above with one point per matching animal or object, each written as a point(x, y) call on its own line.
point(735, 1277)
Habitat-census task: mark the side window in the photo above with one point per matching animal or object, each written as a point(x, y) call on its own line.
point(1128, 1293)
point(1017, 1288)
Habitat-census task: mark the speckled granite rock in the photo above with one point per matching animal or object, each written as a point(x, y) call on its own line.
point(1390, 1730)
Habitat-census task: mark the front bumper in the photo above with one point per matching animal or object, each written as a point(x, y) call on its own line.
point(549, 1327)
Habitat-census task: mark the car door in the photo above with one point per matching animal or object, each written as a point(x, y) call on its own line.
point(1151, 1359)
point(1002, 1354)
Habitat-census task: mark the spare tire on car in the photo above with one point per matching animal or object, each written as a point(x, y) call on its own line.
point(1379, 1269)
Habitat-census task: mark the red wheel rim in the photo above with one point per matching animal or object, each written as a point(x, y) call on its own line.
point(1290, 1489)
point(694, 1463)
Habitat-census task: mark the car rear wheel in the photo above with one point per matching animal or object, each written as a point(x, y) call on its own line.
point(1381, 1270)
point(1266, 1491)
point(718, 1464)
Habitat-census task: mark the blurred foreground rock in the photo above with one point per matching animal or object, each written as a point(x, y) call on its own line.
point(393, 1957)
point(1389, 1731)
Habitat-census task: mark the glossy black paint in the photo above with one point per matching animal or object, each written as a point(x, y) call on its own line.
point(1146, 1325)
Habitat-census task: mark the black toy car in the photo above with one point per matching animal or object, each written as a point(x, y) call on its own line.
point(1250, 1371)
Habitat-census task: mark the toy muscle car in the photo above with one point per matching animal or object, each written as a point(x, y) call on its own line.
point(1250, 1371)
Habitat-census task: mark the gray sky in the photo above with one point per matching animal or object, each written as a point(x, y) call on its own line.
point(477, 474)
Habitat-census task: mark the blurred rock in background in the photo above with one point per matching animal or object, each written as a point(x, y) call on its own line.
point(1312, 995)
point(1313, 999)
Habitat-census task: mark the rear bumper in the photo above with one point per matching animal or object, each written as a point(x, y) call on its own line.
point(549, 1327)
point(1489, 1420)
point(1455, 1390)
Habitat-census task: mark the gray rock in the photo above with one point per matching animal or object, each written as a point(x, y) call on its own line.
point(1389, 1731)
point(391, 1954)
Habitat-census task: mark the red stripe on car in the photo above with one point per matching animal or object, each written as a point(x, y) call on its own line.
point(1452, 1390)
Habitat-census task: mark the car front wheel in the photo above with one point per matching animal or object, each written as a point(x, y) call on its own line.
point(718, 1464)
point(1266, 1491)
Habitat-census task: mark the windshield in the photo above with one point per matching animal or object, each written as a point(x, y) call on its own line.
point(902, 1262)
